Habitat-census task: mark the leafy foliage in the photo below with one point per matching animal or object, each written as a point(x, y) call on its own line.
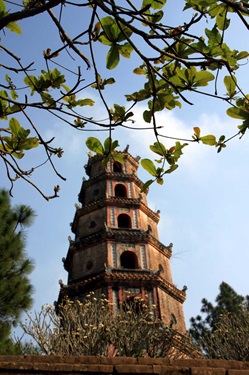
point(15, 287)
point(107, 150)
point(231, 309)
point(173, 61)
point(91, 327)
point(230, 340)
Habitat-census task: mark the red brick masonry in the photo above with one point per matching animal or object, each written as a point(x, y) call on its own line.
point(59, 365)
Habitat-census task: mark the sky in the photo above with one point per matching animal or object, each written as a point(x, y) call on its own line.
point(204, 206)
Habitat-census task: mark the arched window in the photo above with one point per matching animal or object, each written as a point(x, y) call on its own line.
point(129, 260)
point(117, 167)
point(120, 190)
point(92, 224)
point(173, 321)
point(124, 221)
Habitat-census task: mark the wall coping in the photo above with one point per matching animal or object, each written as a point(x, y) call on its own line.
point(86, 365)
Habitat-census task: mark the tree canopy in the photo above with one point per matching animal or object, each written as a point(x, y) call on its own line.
point(15, 287)
point(221, 321)
point(177, 60)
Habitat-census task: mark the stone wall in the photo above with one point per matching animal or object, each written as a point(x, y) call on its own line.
point(59, 365)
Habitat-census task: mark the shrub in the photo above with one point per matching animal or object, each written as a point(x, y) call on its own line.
point(230, 340)
point(92, 327)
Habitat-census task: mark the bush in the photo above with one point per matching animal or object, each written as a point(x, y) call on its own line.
point(92, 327)
point(230, 340)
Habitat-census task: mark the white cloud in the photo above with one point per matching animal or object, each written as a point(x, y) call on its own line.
point(194, 154)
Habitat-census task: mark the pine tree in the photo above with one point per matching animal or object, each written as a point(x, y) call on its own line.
point(15, 266)
point(228, 301)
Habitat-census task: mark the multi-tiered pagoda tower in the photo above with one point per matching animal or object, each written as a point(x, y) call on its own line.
point(116, 247)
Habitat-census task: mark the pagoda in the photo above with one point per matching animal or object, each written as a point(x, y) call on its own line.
point(116, 249)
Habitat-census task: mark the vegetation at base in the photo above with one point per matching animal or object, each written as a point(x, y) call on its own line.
point(230, 340)
point(177, 60)
point(15, 287)
point(91, 327)
point(224, 332)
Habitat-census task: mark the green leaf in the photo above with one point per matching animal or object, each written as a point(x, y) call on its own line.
point(14, 27)
point(214, 37)
point(2, 8)
point(108, 145)
point(82, 102)
point(104, 40)
point(236, 112)
point(172, 168)
point(146, 185)
point(222, 21)
point(120, 110)
point(230, 83)
point(140, 70)
point(118, 113)
point(178, 150)
point(149, 166)
point(242, 55)
point(147, 116)
point(118, 157)
point(154, 17)
point(159, 148)
point(14, 126)
point(30, 143)
point(112, 58)
point(65, 87)
point(110, 28)
point(18, 154)
point(244, 127)
point(208, 140)
point(95, 145)
point(124, 33)
point(13, 94)
point(191, 78)
point(108, 81)
point(114, 145)
point(31, 82)
point(202, 78)
point(155, 4)
point(125, 50)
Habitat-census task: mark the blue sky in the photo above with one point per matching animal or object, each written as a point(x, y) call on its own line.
point(204, 206)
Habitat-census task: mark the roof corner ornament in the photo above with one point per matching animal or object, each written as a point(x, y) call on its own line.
point(170, 246)
point(90, 154)
point(61, 283)
point(71, 242)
